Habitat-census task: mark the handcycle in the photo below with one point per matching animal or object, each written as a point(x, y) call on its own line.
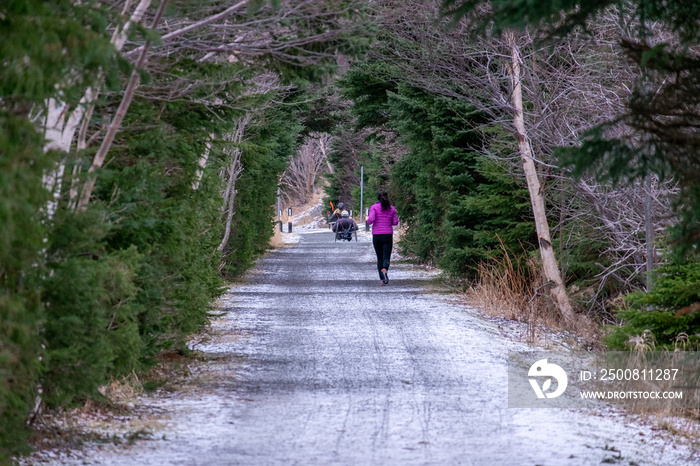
point(345, 233)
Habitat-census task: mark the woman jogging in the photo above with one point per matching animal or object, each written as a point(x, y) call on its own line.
point(382, 216)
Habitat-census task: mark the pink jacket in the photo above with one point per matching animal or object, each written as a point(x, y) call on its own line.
point(382, 220)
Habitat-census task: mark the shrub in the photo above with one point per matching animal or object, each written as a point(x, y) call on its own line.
point(22, 162)
point(652, 315)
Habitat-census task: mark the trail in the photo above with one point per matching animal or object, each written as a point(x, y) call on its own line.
point(313, 363)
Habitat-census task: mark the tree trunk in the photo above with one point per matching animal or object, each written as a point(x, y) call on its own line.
point(648, 231)
point(324, 150)
point(234, 172)
point(116, 122)
point(61, 122)
point(550, 268)
point(59, 128)
point(202, 163)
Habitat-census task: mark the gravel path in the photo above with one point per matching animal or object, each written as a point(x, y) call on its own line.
point(313, 363)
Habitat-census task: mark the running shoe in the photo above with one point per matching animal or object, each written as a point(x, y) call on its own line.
point(385, 276)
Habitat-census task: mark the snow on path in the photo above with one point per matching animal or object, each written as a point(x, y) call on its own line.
point(313, 363)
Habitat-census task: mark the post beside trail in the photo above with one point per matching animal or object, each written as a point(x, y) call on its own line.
point(362, 190)
point(366, 217)
point(289, 218)
point(279, 209)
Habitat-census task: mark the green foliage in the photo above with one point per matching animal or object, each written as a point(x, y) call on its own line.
point(135, 274)
point(270, 143)
point(462, 205)
point(45, 46)
point(458, 205)
point(562, 16)
point(559, 15)
point(676, 285)
point(357, 141)
point(496, 212)
point(322, 113)
point(348, 152)
point(40, 51)
point(104, 291)
point(368, 85)
point(90, 331)
point(153, 208)
point(22, 162)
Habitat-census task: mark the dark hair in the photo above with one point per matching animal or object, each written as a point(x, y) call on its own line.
point(383, 197)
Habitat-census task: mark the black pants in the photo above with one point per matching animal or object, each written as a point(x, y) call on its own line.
point(382, 246)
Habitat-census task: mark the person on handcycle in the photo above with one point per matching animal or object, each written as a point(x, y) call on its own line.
point(336, 215)
point(344, 227)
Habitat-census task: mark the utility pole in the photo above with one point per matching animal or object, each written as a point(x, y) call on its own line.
point(279, 211)
point(649, 232)
point(362, 186)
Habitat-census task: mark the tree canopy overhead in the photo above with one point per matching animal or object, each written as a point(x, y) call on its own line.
point(562, 16)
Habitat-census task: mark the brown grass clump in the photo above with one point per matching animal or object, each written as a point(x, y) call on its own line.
point(119, 417)
point(505, 288)
point(276, 240)
point(512, 289)
point(123, 391)
point(680, 419)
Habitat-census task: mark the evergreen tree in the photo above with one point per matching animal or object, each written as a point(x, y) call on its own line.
point(271, 140)
point(666, 317)
point(661, 116)
point(39, 53)
point(21, 240)
point(458, 205)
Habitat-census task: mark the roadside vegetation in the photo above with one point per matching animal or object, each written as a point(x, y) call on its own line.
point(544, 153)
point(608, 105)
point(141, 145)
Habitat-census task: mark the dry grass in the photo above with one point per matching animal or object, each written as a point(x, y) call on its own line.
point(506, 288)
point(277, 241)
point(685, 425)
point(304, 208)
point(677, 418)
point(511, 289)
point(123, 391)
point(118, 418)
